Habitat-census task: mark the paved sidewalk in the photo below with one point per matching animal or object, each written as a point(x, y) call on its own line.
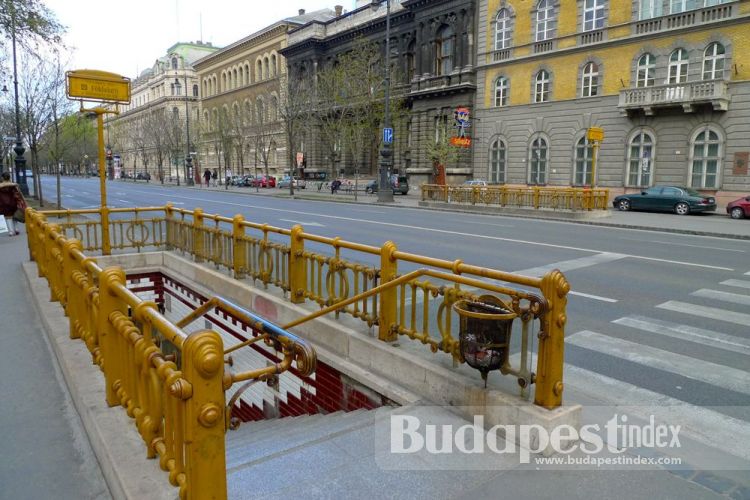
point(716, 224)
point(45, 450)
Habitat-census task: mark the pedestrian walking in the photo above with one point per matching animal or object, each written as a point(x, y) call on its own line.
point(11, 201)
point(215, 177)
point(207, 177)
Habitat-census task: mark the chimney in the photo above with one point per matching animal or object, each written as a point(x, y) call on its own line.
point(302, 12)
point(339, 9)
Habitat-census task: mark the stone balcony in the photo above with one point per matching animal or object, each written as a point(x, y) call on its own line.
point(687, 95)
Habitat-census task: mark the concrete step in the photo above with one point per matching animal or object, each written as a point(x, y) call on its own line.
point(248, 433)
point(283, 439)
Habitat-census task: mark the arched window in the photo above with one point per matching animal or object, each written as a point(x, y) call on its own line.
point(444, 51)
point(542, 84)
point(501, 92)
point(590, 80)
point(176, 87)
point(503, 30)
point(258, 70)
point(247, 74)
point(713, 62)
point(206, 122)
point(195, 90)
point(265, 68)
point(640, 159)
point(235, 81)
point(274, 68)
point(175, 113)
point(706, 153)
point(678, 66)
point(260, 112)
point(497, 162)
point(274, 111)
point(593, 15)
point(545, 20)
point(248, 112)
point(174, 63)
point(583, 158)
point(223, 82)
point(645, 71)
point(538, 155)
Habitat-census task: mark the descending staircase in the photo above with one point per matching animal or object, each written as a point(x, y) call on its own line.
point(333, 456)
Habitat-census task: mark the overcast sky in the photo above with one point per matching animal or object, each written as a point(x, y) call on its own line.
point(126, 36)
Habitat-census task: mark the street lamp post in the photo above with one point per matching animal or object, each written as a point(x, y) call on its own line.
point(19, 149)
point(188, 159)
point(385, 192)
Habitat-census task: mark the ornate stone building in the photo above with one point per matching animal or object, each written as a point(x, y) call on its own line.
point(242, 88)
point(666, 80)
point(149, 134)
point(432, 50)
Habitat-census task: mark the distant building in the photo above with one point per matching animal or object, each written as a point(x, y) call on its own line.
point(150, 133)
point(242, 88)
point(668, 81)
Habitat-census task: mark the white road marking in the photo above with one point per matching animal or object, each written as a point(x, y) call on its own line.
point(593, 297)
point(365, 211)
point(569, 265)
point(686, 366)
point(734, 298)
point(304, 224)
point(707, 312)
point(698, 246)
point(124, 201)
point(706, 426)
point(690, 333)
point(737, 283)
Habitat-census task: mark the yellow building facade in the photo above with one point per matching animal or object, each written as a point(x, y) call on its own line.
point(668, 81)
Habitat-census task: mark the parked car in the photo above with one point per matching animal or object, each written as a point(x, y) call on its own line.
point(677, 199)
point(263, 181)
point(143, 176)
point(474, 183)
point(739, 209)
point(298, 184)
point(400, 184)
point(371, 187)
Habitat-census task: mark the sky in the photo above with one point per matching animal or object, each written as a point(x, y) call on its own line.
point(127, 36)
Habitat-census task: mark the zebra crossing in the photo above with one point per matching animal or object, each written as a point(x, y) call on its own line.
point(681, 354)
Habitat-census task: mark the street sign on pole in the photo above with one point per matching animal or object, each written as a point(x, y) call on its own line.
point(94, 85)
point(387, 135)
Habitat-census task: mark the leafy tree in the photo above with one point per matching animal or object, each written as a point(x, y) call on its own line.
point(441, 152)
point(32, 21)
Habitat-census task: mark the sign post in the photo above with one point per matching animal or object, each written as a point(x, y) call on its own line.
point(104, 87)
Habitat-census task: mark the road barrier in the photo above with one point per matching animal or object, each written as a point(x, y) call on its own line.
point(523, 197)
point(177, 400)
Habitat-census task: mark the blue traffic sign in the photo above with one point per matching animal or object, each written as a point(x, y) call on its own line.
point(387, 135)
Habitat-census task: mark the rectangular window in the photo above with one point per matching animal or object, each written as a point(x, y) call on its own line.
point(648, 9)
point(593, 15)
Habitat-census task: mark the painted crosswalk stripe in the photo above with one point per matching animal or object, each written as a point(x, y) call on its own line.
point(686, 332)
point(707, 312)
point(734, 298)
point(737, 283)
point(706, 426)
point(692, 368)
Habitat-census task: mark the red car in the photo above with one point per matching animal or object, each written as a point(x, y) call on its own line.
point(739, 209)
point(263, 181)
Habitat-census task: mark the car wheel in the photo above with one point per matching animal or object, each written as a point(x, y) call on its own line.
point(623, 205)
point(682, 208)
point(737, 213)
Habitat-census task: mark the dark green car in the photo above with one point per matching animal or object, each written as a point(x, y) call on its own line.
point(680, 200)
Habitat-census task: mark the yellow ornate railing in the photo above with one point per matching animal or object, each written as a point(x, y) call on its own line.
point(178, 404)
point(522, 197)
point(331, 271)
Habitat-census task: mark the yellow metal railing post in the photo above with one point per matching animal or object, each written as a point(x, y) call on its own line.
point(198, 234)
point(169, 216)
point(205, 461)
point(109, 304)
point(73, 295)
point(536, 196)
point(239, 259)
point(549, 376)
point(106, 243)
point(387, 322)
point(297, 274)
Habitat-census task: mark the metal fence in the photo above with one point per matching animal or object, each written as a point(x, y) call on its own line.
point(522, 197)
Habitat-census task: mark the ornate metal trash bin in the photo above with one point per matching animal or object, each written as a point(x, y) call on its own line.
point(484, 333)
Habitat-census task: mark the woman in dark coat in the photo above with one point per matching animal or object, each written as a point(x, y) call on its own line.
point(11, 200)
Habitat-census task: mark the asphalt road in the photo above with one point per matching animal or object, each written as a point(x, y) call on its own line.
point(661, 317)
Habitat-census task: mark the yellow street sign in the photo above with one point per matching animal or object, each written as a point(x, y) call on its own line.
point(94, 85)
point(595, 134)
